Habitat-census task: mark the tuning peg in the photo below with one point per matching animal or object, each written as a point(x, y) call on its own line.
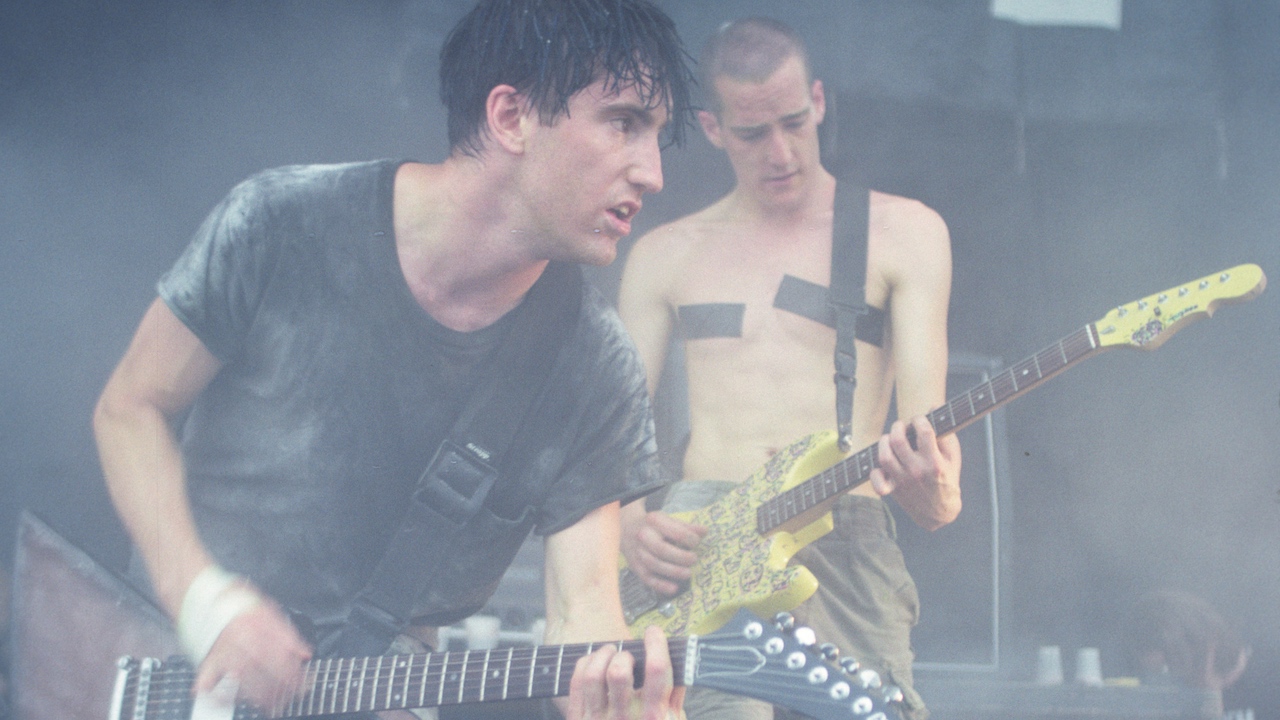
point(893, 694)
point(805, 636)
point(829, 652)
point(869, 678)
point(784, 621)
point(850, 666)
point(862, 705)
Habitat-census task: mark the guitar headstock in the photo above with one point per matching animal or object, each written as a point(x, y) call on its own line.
point(783, 664)
point(1148, 322)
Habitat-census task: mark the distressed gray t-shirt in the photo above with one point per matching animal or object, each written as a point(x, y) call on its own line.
point(337, 388)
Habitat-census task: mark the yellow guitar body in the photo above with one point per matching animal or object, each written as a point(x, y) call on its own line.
point(742, 564)
point(739, 568)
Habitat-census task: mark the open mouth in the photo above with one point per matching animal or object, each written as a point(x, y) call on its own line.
point(624, 212)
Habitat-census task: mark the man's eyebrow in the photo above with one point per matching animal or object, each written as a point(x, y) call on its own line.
point(643, 113)
point(798, 115)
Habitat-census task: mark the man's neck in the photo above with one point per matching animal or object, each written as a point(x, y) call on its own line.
point(458, 251)
point(814, 203)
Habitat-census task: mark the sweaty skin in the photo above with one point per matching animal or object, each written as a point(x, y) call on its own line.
point(750, 396)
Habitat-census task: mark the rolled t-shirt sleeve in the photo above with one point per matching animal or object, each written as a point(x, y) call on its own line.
point(217, 283)
point(614, 455)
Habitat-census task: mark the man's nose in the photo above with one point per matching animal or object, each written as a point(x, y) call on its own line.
point(646, 171)
point(778, 150)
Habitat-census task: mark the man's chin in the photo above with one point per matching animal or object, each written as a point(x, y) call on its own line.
point(598, 254)
point(602, 258)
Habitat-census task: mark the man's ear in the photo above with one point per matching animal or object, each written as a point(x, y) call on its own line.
point(711, 127)
point(819, 98)
point(505, 117)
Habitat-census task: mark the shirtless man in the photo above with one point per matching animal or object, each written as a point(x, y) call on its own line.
point(755, 389)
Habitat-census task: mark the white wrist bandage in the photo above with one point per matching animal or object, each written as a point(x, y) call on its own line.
point(212, 601)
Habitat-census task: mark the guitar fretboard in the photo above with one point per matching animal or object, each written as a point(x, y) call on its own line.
point(958, 412)
point(344, 685)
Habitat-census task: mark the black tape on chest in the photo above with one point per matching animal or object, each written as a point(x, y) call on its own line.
point(711, 320)
point(813, 301)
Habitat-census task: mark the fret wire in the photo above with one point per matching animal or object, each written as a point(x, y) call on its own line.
point(506, 673)
point(391, 682)
point(462, 673)
point(559, 662)
point(311, 693)
point(426, 673)
point(364, 671)
point(533, 669)
point(408, 673)
point(444, 671)
point(486, 673)
point(951, 413)
point(323, 679)
point(331, 685)
point(338, 687)
point(352, 687)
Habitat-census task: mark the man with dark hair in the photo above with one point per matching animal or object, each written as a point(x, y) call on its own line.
point(336, 338)
point(748, 284)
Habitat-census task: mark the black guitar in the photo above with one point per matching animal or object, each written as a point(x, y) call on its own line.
point(772, 662)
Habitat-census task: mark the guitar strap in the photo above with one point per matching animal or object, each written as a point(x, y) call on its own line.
point(476, 452)
point(848, 295)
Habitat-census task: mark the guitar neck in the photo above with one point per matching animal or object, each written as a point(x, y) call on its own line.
point(803, 502)
point(448, 678)
point(370, 684)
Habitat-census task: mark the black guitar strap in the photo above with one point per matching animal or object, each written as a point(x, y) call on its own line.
point(466, 466)
point(848, 295)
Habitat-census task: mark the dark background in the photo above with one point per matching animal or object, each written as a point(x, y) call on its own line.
point(1077, 168)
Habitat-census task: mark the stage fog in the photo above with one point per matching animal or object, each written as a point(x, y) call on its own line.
point(1078, 167)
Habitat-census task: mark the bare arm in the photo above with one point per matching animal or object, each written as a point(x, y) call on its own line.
point(163, 371)
point(583, 605)
point(657, 547)
point(917, 264)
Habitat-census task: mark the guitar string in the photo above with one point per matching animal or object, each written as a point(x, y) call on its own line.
point(171, 686)
point(1000, 389)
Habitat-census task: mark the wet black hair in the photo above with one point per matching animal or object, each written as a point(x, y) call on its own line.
point(549, 50)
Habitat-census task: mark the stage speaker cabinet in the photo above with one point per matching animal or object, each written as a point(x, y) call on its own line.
point(960, 569)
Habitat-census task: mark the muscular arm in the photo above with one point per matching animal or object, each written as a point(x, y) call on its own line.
point(163, 371)
point(583, 605)
point(658, 548)
point(917, 254)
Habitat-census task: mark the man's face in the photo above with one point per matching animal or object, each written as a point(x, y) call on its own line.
point(585, 174)
point(770, 132)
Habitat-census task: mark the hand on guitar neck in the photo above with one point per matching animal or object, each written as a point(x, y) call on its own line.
point(747, 538)
point(919, 468)
point(921, 471)
point(777, 662)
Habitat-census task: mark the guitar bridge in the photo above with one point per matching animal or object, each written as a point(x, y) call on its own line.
point(637, 598)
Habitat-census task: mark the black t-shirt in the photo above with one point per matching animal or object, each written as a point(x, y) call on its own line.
point(337, 388)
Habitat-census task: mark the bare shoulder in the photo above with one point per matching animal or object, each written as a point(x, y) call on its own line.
point(678, 243)
point(908, 236)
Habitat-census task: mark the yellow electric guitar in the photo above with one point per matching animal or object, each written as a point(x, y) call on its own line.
point(755, 529)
